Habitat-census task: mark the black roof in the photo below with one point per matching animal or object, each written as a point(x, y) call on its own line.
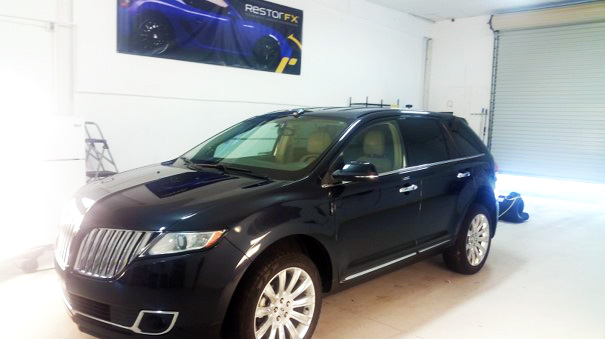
point(354, 113)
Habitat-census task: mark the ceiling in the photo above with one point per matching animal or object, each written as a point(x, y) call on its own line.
point(437, 10)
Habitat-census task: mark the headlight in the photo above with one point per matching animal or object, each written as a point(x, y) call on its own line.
point(169, 243)
point(73, 214)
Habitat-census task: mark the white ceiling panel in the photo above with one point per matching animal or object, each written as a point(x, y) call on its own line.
point(437, 10)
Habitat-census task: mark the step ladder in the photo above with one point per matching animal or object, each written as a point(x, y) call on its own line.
point(98, 156)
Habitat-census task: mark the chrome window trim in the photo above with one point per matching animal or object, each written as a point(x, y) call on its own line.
point(412, 169)
point(349, 129)
point(134, 328)
point(425, 166)
point(381, 266)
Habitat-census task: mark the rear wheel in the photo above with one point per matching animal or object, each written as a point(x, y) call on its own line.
point(469, 253)
point(267, 53)
point(152, 35)
point(281, 298)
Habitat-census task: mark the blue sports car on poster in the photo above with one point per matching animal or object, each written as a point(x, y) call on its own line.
point(209, 31)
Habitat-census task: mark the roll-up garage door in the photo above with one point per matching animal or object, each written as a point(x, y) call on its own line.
point(549, 102)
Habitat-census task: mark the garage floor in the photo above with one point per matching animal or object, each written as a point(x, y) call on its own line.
point(543, 279)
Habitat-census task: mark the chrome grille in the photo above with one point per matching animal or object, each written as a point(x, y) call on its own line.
point(63, 245)
point(105, 252)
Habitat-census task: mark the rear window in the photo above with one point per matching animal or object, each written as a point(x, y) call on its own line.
point(425, 141)
point(466, 140)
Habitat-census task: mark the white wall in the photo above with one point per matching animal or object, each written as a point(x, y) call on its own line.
point(154, 109)
point(461, 68)
point(35, 87)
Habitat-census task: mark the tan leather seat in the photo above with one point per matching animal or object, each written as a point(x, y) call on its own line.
point(374, 151)
point(317, 143)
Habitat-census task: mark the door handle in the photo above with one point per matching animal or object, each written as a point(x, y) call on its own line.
point(463, 175)
point(407, 189)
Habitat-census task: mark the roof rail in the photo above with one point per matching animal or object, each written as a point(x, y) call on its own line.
point(369, 104)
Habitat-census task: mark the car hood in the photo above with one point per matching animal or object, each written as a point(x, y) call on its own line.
point(158, 197)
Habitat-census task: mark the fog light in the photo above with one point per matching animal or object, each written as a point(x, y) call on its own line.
point(155, 322)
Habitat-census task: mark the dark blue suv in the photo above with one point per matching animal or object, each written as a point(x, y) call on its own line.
point(241, 236)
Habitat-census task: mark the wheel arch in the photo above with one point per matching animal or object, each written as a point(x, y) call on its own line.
point(485, 196)
point(306, 244)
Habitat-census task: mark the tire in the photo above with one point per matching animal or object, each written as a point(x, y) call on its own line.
point(278, 314)
point(152, 35)
point(267, 53)
point(469, 253)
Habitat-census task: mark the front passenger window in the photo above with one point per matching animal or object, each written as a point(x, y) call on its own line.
point(379, 144)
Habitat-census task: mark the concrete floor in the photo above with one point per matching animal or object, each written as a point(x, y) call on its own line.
point(543, 279)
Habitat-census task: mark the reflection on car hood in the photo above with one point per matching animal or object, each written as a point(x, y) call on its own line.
point(184, 182)
point(158, 197)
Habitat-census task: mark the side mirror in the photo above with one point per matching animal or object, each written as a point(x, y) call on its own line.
point(356, 171)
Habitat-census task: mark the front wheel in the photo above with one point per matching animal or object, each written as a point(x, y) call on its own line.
point(469, 253)
point(281, 298)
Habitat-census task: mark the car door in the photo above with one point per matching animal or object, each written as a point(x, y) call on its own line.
point(471, 168)
point(375, 219)
point(442, 177)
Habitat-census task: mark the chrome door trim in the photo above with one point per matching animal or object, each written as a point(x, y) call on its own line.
point(433, 246)
point(375, 268)
point(359, 274)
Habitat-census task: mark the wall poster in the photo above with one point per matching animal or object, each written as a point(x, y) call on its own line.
point(251, 34)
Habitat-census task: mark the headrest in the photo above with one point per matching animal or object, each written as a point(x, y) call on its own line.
point(318, 142)
point(373, 143)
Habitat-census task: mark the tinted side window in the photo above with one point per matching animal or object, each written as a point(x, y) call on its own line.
point(425, 141)
point(466, 141)
point(379, 144)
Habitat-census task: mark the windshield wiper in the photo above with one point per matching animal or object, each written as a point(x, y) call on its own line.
point(246, 172)
point(199, 165)
point(215, 166)
point(189, 163)
point(222, 168)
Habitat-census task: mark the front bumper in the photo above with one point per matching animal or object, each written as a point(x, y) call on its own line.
point(183, 296)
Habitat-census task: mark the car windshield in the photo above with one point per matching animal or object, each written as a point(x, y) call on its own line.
point(281, 147)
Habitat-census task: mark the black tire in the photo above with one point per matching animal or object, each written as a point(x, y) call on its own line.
point(456, 257)
point(152, 35)
point(243, 320)
point(267, 53)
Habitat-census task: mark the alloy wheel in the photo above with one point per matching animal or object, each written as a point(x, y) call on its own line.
point(285, 308)
point(477, 240)
point(267, 53)
point(153, 35)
